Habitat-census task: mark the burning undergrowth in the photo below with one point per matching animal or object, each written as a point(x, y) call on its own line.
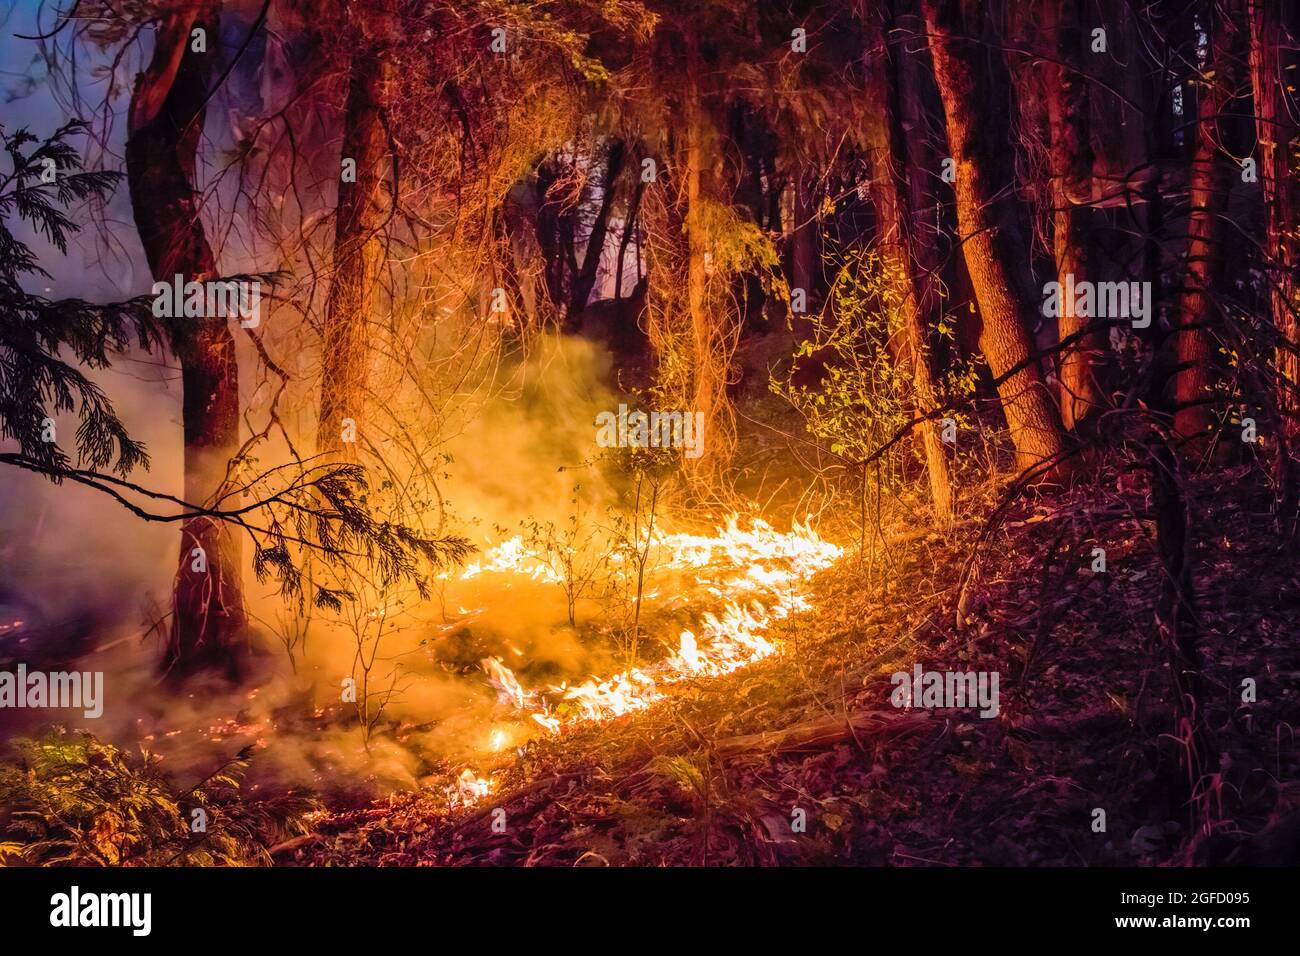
point(734, 584)
point(588, 598)
point(724, 771)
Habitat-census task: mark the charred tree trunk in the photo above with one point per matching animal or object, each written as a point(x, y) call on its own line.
point(1208, 186)
point(165, 124)
point(549, 221)
point(1071, 171)
point(895, 228)
point(971, 81)
point(358, 231)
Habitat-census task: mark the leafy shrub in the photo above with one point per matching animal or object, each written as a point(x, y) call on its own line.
point(70, 799)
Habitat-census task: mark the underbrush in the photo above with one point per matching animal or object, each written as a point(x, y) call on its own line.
point(72, 800)
point(722, 771)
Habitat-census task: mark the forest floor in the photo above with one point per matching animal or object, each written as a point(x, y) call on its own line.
point(715, 773)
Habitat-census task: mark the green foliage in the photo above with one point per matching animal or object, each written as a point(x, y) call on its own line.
point(35, 384)
point(864, 396)
point(736, 244)
point(684, 770)
point(70, 799)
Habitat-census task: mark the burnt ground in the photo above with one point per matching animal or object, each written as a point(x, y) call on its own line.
point(713, 775)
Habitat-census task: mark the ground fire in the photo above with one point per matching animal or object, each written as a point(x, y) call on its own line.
point(644, 434)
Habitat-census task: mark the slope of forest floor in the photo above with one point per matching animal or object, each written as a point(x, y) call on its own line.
point(715, 773)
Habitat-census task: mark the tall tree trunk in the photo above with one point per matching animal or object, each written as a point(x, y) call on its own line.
point(971, 81)
point(1208, 185)
point(1275, 74)
point(709, 382)
point(358, 229)
point(1071, 171)
point(805, 252)
point(585, 279)
point(894, 215)
point(165, 124)
point(630, 225)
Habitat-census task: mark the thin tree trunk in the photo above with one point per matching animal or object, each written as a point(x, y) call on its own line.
point(894, 222)
point(358, 233)
point(165, 124)
point(1208, 186)
point(805, 256)
point(585, 279)
point(973, 87)
point(629, 225)
point(1071, 171)
point(708, 382)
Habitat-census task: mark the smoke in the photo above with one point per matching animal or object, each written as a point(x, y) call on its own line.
point(91, 582)
point(523, 455)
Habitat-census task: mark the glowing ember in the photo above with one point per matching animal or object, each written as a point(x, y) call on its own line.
point(469, 788)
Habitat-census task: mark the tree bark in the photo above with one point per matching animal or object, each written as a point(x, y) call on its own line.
point(165, 124)
point(358, 231)
point(585, 279)
point(1071, 172)
point(630, 225)
point(709, 382)
point(805, 252)
point(894, 215)
point(1275, 72)
point(1208, 186)
point(972, 83)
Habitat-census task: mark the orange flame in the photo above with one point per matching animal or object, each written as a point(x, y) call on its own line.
point(760, 575)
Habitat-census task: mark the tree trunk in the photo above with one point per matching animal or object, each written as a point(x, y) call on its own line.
point(894, 217)
point(585, 279)
point(805, 254)
point(358, 232)
point(972, 84)
point(1275, 73)
point(630, 225)
point(1071, 171)
point(1208, 185)
point(165, 124)
point(709, 382)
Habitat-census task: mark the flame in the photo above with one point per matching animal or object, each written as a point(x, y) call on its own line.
point(511, 556)
point(759, 573)
point(469, 788)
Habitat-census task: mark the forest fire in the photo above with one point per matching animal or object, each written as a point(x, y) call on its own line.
point(758, 575)
point(649, 433)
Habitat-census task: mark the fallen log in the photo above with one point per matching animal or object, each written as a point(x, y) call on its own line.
point(537, 786)
point(295, 843)
point(826, 731)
